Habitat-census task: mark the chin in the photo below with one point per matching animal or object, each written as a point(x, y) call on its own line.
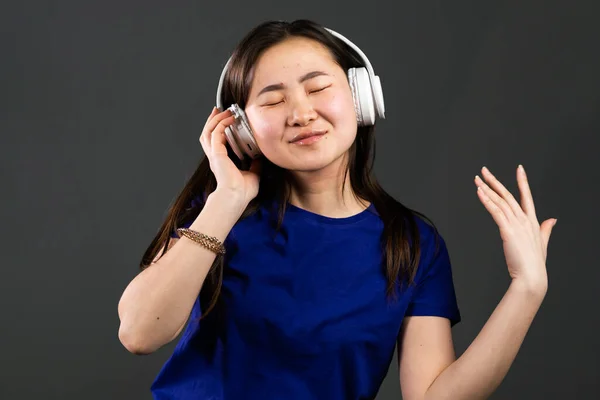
point(308, 162)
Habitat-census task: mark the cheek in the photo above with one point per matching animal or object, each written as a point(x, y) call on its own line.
point(339, 108)
point(263, 126)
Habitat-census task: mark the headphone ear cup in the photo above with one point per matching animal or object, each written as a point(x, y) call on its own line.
point(364, 104)
point(241, 134)
point(378, 96)
point(231, 136)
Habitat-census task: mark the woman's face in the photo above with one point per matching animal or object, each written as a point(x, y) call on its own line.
point(298, 89)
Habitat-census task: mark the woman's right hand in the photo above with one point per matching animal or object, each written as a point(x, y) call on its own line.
point(232, 182)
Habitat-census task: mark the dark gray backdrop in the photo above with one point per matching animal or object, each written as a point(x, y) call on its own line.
point(102, 104)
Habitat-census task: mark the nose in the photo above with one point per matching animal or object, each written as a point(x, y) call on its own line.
point(301, 112)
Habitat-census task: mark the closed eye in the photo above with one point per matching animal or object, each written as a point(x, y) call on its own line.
point(312, 91)
point(319, 90)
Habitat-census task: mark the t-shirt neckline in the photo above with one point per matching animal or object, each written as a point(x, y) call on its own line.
point(309, 215)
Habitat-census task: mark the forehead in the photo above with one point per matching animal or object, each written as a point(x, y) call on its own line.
point(291, 57)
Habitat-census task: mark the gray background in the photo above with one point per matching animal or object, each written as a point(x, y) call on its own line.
point(102, 104)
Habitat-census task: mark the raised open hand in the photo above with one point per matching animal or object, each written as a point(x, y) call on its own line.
point(525, 241)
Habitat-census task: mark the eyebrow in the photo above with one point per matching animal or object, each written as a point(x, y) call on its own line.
point(303, 78)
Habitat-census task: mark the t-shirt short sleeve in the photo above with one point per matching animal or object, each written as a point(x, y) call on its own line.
point(434, 294)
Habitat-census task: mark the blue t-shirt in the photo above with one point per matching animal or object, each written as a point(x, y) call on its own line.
point(305, 312)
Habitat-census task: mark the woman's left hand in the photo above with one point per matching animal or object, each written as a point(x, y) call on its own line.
point(525, 241)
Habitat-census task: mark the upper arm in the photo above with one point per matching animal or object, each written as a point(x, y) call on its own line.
point(425, 349)
point(425, 346)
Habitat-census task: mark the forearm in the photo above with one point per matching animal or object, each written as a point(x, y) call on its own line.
point(485, 363)
point(158, 301)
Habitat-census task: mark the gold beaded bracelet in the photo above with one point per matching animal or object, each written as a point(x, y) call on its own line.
point(210, 242)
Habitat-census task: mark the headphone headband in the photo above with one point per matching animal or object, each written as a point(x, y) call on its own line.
point(339, 36)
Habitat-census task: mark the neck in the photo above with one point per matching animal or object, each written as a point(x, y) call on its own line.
point(321, 192)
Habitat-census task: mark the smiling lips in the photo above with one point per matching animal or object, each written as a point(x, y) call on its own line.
point(308, 137)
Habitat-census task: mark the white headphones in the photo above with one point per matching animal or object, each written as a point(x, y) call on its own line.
point(366, 92)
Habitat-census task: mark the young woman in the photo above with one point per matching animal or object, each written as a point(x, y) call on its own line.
point(295, 275)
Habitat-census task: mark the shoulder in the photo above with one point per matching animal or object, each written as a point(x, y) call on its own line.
point(432, 247)
point(420, 227)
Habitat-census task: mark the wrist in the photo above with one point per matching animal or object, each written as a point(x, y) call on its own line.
point(533, 288)
point(218, 216)
point(230, 202)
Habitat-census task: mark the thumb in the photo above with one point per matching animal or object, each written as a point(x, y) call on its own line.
point(545, 232)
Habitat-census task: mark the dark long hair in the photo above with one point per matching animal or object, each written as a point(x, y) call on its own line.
point(400, 238)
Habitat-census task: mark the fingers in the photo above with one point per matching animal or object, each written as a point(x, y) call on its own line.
point(213, 120)
point(502, 192)
point(526, 198)
point(500, 210)
point(218, 138)
point(214, 112)
point(217, 121)
point(495, 211)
